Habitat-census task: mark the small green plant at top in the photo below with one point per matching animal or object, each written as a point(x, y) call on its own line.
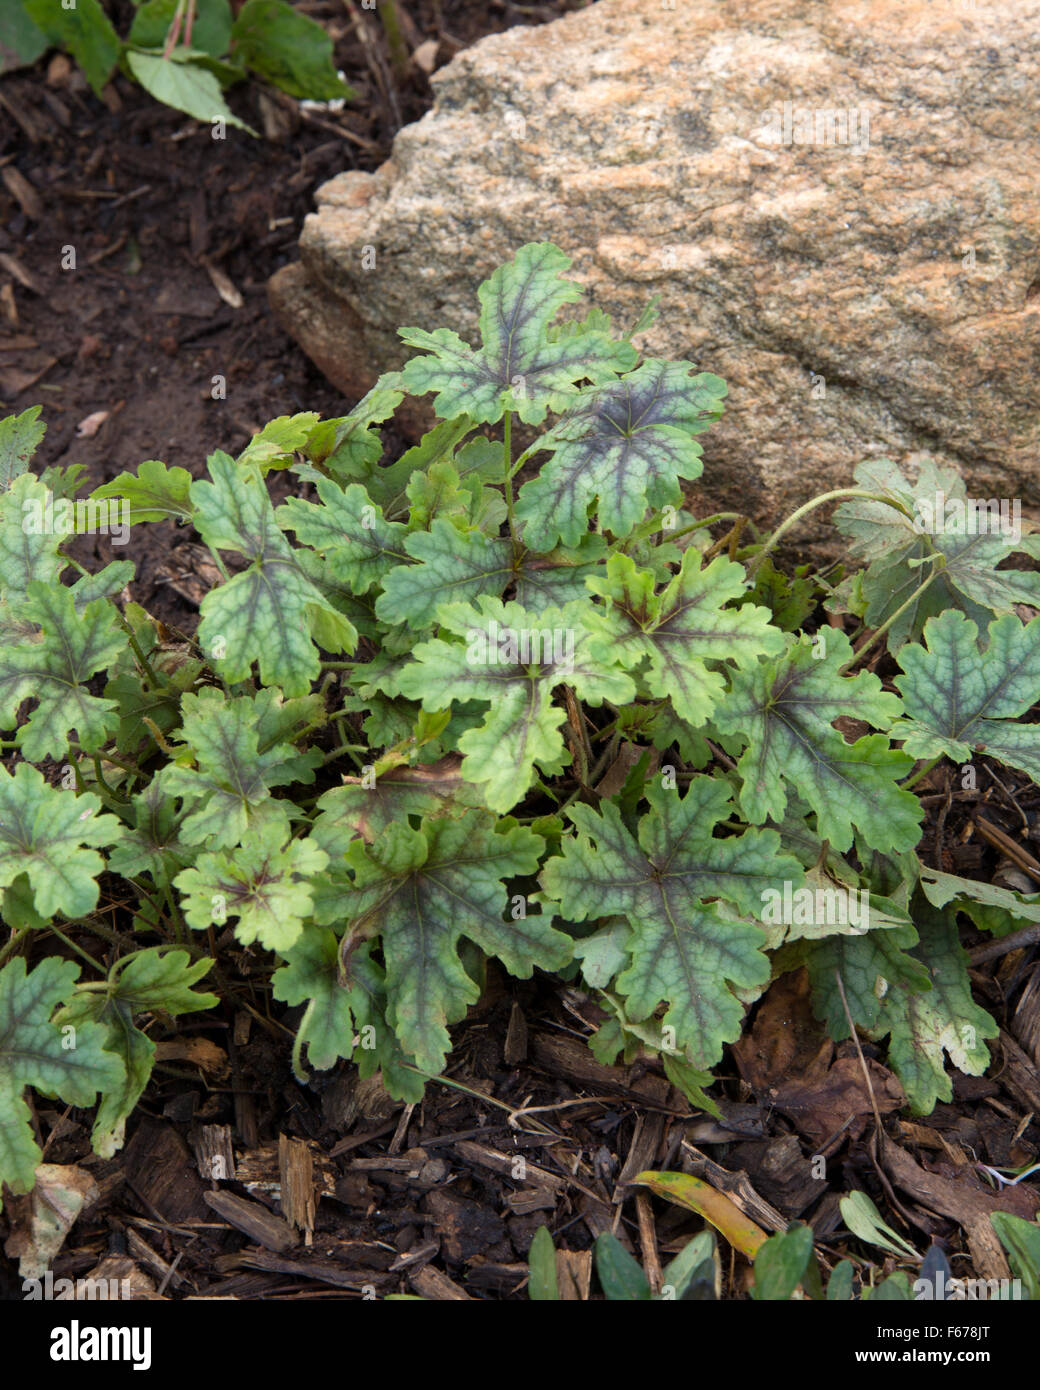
point(185, 53)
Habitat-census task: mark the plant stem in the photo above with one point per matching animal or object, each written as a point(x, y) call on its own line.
point(507, 457)
point(922, 772)
point(350, 748)
point(399, 58)
point(811, 505)
point(880, 632)
point(698, 525)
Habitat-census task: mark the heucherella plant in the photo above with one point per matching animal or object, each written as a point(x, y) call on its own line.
point(501, 697)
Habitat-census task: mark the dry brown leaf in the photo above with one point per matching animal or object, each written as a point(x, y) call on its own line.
point(89, 426)
point(425, 56)
point(21, 273)
point(22, 190)
point(42, 1219)
point(200, 1052)
point(223, 285)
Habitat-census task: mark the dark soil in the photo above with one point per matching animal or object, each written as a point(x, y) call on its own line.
point(441, 1199)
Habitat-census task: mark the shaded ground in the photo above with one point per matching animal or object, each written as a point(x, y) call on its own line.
point(440, 1199)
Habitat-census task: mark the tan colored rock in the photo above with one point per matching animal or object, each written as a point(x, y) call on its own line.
point(875, 292)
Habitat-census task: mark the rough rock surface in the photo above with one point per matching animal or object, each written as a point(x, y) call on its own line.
point(879, 296)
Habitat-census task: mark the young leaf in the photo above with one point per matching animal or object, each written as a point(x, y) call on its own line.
point(153, 493)
point(54, 671)
point(34, 1052)
point(423, 890)
point(44, 833)
point(270, 611)
point(680, 630)
point(356, 456)
point(85, 31)
point(865, 1221)
point(513, 659)
point(184, 85)
point(1021, 1240)
point(694, 1263)
point(542, 1286)
point(263, 883)
point(516, 367)
point(153, 844)
point(20, 437)
point(619, 1273)
point(781, 1263)
point(349, 530)
point(356, 446)
point(288, 48)
point(960, 700)
point(684, 952)
point(240, 749)
point(277, 443)
point(626, 444)
point(786, 707)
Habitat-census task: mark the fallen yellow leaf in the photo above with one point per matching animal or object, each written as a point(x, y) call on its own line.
point(699, 1196)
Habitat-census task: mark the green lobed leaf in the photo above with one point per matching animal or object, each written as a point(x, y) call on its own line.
point(683, 950)
point(900, 540)
point(54, 670)
point(34, 1052)
point(152, 843)
point(513, 659)
point(870, 966)
point(459, 565)
point(944, 1020)
point(681, 629)
point(360, 546)
point(270, 612)
point(20, 437)
point(264, 883)
point(28, 550)
point(785, 707)
point(960, 700)
point(423, 891)
point(516, 368)
point(241, 749)
point(345, 1013)
point(368, 805)
point(989, 906)
point(153, 493)
point(624, 445)
point(45, 833)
